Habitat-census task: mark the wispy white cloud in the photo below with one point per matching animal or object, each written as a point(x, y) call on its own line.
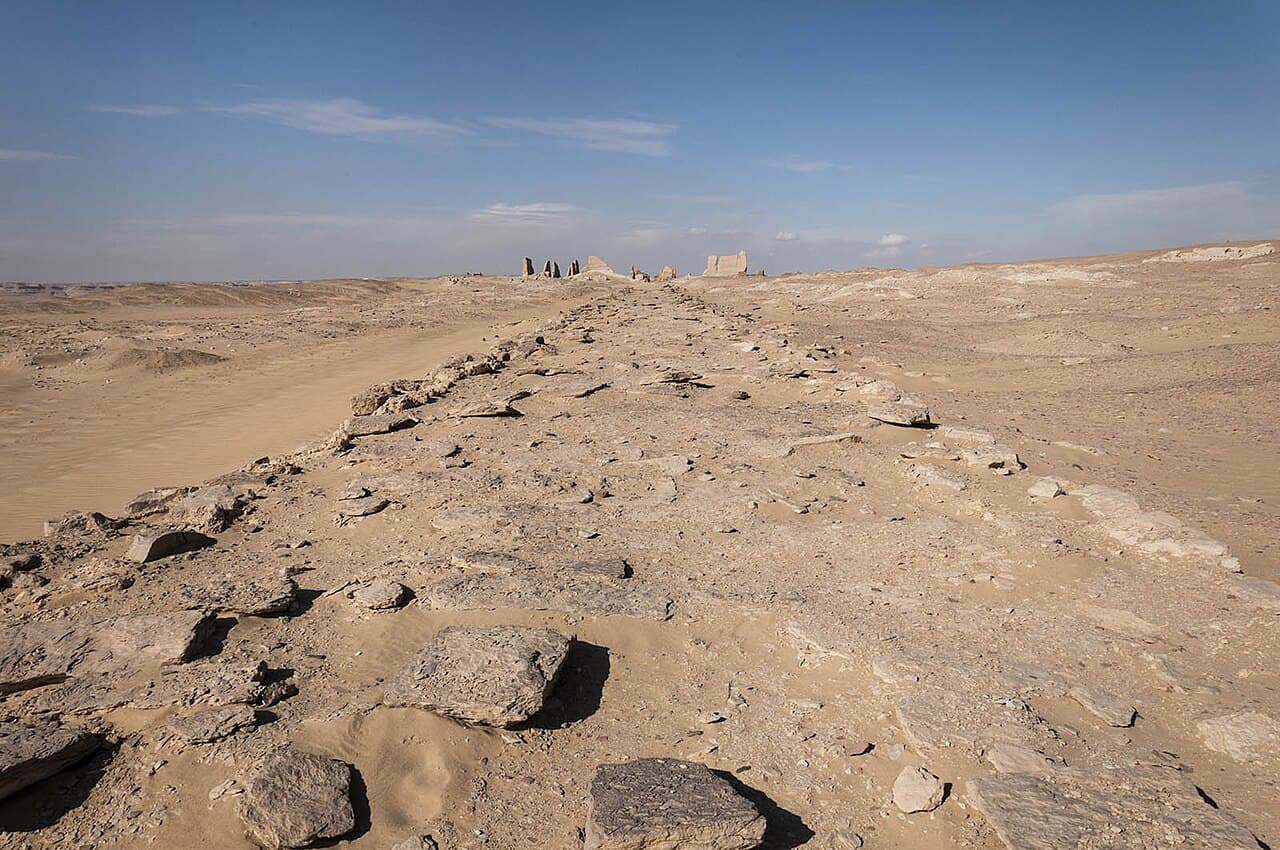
point(786, 236)
point(1086, 206)
point(140, 111)
point(541, 212)
point(698, 199)
point(345, 117)
point(625, 135)
point(805, 166)
point(15, 155)
point(890, 245)
point(696, 231)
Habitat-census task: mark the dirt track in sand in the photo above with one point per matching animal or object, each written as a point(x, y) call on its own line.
point(848, 598)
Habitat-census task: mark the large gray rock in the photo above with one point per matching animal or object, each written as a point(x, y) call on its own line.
point(572, 594)
point(30, 753)
point(297, 798)
point(668, 804)
point(1116, 809)
point(485, 675)
point(157, 543)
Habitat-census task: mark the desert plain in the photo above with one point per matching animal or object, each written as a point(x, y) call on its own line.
point(981, 556)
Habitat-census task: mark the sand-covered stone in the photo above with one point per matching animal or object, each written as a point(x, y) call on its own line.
point(1117, 809)
point(32, 752)
point(483, 675)
point(548, 593)
point(665, 804)
point(296, 798)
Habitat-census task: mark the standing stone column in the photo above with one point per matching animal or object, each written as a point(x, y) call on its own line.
point(555, 269)
point(546, 268)
point(528, 267)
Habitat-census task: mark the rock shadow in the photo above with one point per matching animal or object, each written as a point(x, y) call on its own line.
point(579, 690)
point(785, 830)
point(43, 804)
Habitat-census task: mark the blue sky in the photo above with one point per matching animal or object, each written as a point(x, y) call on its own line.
point(159, 141)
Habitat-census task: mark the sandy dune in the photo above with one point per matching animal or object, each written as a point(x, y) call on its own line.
point(1059, 600)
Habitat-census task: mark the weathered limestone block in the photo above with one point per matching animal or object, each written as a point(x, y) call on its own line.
point(663, 804)
point(484, 675)
point(527, 268)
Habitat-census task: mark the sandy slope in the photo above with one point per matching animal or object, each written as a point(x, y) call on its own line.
point(835, 583)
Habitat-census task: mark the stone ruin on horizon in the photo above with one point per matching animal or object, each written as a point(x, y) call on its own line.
point(726, 266)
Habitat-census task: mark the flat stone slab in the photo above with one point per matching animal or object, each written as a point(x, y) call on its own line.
point(602, 567)
point(30, 753)
point(364, 426)
point(484, 675)
point(489, 562)
point(1247, 736)
point(362, 506)
point(1115, 809)
point(663, 804)
point(213, 724)
point(1104, 705)
point(900, 413)
point(296, 798)
point(38, 654)
point(571, 594)
point(250, 597)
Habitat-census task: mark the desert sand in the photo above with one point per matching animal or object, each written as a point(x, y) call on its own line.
point(981, 556)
